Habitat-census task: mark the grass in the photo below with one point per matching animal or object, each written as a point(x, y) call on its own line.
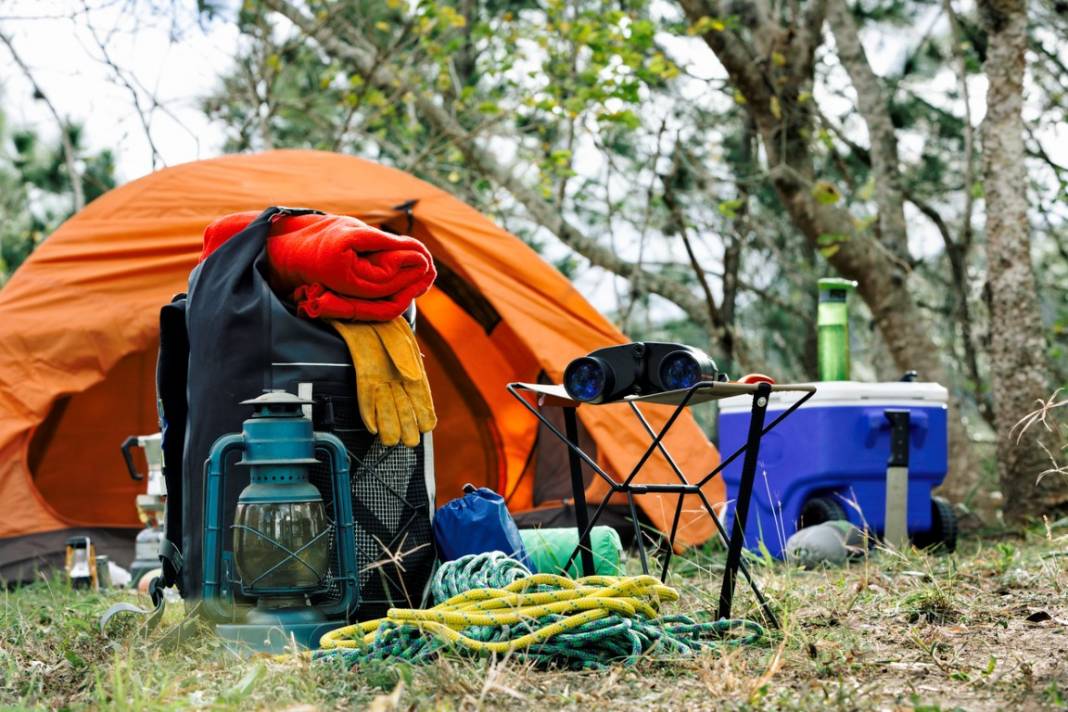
point(985, 628)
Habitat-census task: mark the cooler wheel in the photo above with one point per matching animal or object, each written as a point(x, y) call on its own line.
point(817, 510)
point(943, 531)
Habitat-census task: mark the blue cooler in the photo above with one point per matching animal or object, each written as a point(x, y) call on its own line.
point(832, 453)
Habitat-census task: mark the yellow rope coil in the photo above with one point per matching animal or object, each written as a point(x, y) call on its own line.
point(583, 600)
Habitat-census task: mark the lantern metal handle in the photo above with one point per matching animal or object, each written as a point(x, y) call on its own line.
point(347, 576)
point(213, 605)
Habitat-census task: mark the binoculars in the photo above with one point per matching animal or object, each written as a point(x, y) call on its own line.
point(640, 368)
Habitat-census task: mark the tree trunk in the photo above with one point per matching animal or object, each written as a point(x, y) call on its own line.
point(1017, 346)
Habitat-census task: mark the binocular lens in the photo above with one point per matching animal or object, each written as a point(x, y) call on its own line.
point(584, 379)
point(679, 370)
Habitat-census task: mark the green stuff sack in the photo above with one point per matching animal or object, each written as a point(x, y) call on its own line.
point(549, 549)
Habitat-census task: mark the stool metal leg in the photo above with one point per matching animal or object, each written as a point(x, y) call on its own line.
point(745, 493)
point(637, 532)
point(769, 614)
point(578, 492)
point(670, 549)
point(588, 529)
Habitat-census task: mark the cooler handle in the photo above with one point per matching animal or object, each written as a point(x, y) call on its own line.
point(877, 423)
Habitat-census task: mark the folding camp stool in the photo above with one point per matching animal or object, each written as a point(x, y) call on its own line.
point(554, 395)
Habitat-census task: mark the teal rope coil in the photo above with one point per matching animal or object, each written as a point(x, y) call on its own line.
point(494, 569)
point(480, 586)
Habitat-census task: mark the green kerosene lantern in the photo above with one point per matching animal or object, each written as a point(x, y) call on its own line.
point(288, 547)
point(832, 323)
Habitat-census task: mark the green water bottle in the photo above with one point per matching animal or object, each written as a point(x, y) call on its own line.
point(832, 323)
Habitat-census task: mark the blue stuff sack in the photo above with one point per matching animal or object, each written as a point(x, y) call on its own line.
point(477, 523)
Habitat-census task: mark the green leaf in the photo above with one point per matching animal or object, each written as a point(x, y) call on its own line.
point(826, 139)
point(641, 34)
point(991, 664)
point(663, 67)
point(831, 238)
point(729, 208)
point(452, 17)
point(560, 157)
point(765, 553)
point(626, 118)
point(825, 193)
point(705, 24)
point(829, 243)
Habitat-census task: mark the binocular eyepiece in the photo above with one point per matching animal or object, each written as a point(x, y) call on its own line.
point(640, 368)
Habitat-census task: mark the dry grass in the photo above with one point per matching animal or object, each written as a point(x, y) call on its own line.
point(986, 628)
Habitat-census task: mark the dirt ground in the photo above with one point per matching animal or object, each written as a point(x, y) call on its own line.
point(985, 628)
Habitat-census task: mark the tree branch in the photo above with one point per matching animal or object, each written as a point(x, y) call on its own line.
point(146, 124)
point(743, 68)
point(730, 342)
point(647, 214)
point(811, 33)
point(77, 188)
point(874, 108)
point(1040, 153)
point(966, 232)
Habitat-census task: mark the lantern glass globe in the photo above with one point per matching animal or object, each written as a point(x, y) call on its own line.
point(264, 531)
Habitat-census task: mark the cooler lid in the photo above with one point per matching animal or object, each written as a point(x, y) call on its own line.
point(845, 393)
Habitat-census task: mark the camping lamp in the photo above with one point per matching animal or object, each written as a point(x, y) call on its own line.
point(81, 563)
point(282, 535)
point(615, 372)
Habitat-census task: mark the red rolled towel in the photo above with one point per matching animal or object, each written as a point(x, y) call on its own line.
point(337, 267)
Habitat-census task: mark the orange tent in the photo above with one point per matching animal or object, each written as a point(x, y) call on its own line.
point(78, 339)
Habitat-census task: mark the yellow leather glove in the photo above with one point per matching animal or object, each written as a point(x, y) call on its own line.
point(391, 383)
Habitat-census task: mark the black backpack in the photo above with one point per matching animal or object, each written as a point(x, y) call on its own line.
point(230, 339)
